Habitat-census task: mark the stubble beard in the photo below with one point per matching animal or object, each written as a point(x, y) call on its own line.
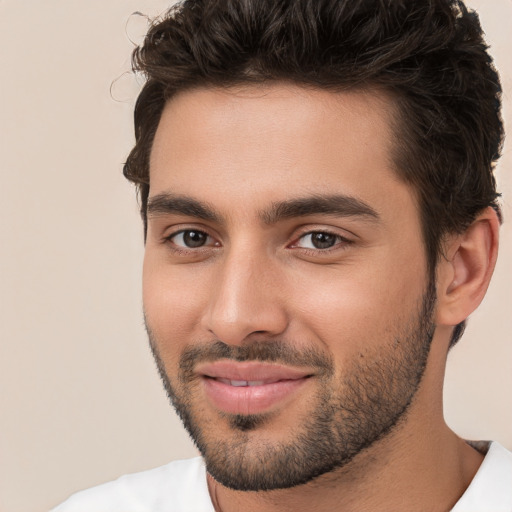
point(351, 413)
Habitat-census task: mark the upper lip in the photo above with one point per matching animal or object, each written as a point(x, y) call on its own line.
point(250, 371)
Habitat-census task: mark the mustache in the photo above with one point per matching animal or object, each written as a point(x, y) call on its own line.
point(261, 351)
point(269, 351)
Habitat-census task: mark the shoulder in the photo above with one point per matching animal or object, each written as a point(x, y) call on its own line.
point(491, 488)
point(176, 487)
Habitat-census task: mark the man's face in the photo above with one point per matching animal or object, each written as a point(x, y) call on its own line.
point(285, 284)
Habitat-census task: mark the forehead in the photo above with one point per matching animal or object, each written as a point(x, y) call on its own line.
point(258, 144)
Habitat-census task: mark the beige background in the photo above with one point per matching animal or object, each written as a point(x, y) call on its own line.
point(80, 402)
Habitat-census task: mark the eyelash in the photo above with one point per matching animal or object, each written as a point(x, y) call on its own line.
point(341, 243)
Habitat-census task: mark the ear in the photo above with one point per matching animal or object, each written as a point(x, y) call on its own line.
point(465, 270)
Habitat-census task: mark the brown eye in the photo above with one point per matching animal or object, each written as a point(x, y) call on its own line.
point(318, 240)
point(323, 240)
point(190, 239)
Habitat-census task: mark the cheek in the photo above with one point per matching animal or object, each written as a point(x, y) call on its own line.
point(173, 300)
point(352, 309)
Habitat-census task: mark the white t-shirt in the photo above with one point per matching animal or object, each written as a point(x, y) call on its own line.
point(181, 487)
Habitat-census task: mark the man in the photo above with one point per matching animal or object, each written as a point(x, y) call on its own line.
point(321, 217)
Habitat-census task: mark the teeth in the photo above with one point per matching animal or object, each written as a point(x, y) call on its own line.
point(242, 383)
point(239, 383)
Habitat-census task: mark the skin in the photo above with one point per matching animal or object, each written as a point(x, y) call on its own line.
point(241, 150)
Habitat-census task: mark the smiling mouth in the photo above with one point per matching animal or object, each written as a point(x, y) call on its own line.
point(250, 387)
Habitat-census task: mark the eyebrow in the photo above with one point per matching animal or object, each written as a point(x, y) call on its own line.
point(164, 204)
point(338, 205)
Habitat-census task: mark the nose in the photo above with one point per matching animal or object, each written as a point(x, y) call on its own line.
point(246, 299)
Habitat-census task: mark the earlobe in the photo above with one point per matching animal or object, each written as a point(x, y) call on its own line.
point(464, 274)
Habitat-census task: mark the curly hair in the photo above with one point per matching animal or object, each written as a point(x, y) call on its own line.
point(429, 56)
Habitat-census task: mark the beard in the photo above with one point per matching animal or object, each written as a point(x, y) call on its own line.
point(350, 412)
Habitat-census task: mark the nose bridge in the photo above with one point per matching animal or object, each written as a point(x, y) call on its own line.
point(245, 298)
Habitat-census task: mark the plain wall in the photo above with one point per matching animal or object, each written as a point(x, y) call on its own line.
point(80, 400)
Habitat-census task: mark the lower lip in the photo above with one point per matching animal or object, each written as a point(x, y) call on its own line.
point(250, 399)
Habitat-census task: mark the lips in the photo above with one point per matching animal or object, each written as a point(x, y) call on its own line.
point(250, 387)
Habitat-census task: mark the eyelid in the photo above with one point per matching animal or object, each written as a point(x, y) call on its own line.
point(171, 230)
point(326, 227)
